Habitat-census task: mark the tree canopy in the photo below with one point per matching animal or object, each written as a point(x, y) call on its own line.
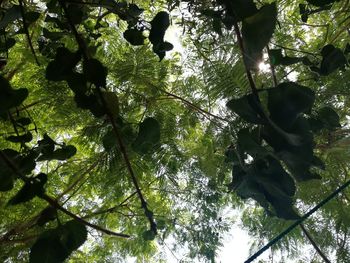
point(120, 141)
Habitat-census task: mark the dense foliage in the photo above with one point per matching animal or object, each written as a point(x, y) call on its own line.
point(115, 144)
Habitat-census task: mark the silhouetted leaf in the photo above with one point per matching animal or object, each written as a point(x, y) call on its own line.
point(31, 17)
point(333, 58)
point(11, 15)
point(64, 153)
point(75, 13)
point(24, 121)
point(47, 215)
point(246, 107)
point(148, 136)
point(159, 25)
point(148, 235)
point(257, 31)
point(95, 72)
point(134, 37)
point(237, 10)
point(63, 64)
point(33, 187)
point(27, 137)
point(321, 3)
point(5, 45)
point(287, 101)
point(56, 245)
point(277, 58)
point(329, 118)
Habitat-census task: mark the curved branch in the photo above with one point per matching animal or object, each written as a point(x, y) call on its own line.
point(56, 205)
point(313, 243)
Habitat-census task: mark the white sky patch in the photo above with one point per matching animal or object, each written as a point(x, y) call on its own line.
point(264, 67)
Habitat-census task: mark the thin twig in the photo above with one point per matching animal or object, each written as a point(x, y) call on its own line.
point(313, 243)
point(298, 222)
point(26, 31)
point(56, 205)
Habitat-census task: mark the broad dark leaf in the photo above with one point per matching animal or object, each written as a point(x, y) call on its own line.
point(266, 182)
point(333, 59)
point(64, 153)
point(148, 136)
point(75, 13)
point(10, 16)
point(34, 187)
point(287, 101)
point(246, 107)
point(159, 25)
point(31, 17)
point(5, 45)
point(134, 37)
point(95, 72)
point(10, 97)
point(24, 121)
point(47, 215)
point(63, 64)
point(329, 117)
point(56, 245)
point(257, 31)
point(27, 137)
point(248, 143)
point(321, 3)
point(7, 175)
point(148, 235)
point(277, 58)
point(237, 10)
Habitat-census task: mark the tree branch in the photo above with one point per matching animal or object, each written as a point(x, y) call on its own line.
point(26, 31)
point(313, 243)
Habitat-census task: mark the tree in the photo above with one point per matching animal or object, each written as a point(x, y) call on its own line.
point(109, 149)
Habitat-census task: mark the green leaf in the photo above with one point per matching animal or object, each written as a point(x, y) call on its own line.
point(329, 117)
point(109, 140)
point(31, 17)
point(277, 58)
point(246, 107)
point(27, 137)
point(321, 3)
point(148, 136)
point(159, 25)
point(257, 31)
point(5, 45)
point(134, 36)
point(266, 182)
point(46, 145)
point(7, 175)
point(62, 66)
point(75, 14)
point(112, 103)
point(333, 58)
point(149, 235)
point(33, 187)
point(10, 16)
point(287, 101)
point(95, 72)
point(56, 245)
point(9, 97)
point(24, 121)
point(248, 143)
point(239, 9)
point(47, 215)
